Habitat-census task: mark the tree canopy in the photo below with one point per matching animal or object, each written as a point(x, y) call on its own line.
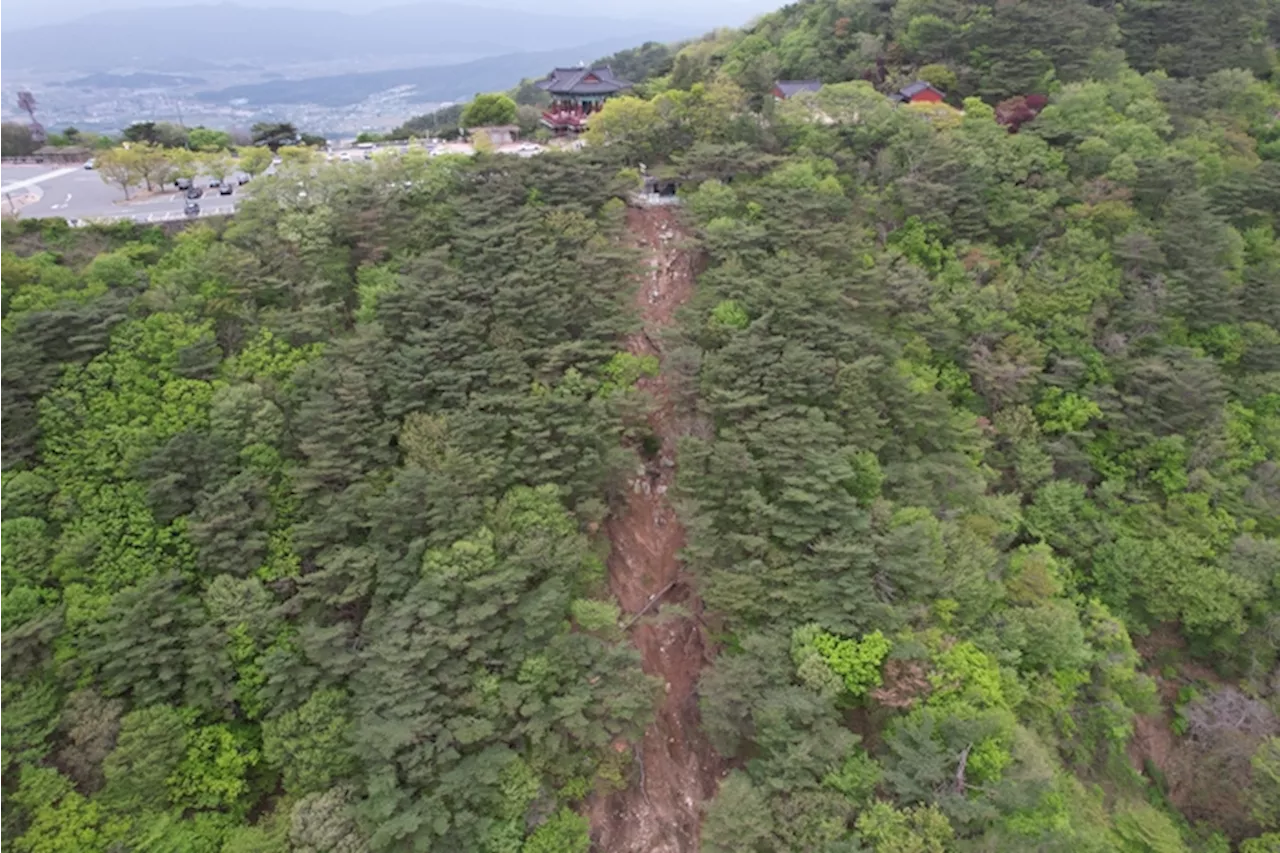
point(303, 512)
point(208, 600)
point(491, 109)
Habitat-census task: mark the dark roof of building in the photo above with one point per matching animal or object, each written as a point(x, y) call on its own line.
point(597, 80)
point(906, 93)
point(791, 87)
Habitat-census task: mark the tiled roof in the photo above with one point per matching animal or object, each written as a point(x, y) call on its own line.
point(791, 87)
point(906, 93)
point(598, 80)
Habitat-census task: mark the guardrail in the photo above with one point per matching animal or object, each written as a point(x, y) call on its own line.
point(147, 218)
point(32, 160)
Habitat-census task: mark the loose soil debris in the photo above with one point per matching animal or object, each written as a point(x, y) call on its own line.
point(675, 770)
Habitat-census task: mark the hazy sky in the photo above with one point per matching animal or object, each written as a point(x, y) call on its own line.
point(706, 13)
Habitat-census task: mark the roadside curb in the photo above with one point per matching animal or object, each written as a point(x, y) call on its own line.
point(15, 200)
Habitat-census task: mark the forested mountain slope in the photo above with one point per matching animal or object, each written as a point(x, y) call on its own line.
point(305, 517)
point(991, 410)
point(293, 535)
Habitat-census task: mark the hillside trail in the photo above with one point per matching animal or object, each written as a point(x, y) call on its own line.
point(675, 770)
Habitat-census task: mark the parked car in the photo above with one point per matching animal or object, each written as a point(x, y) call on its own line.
point(194, 192)
point(191, 209)
point(183, 183)
point(226, 188)
point(243, 179)
point(214, 183)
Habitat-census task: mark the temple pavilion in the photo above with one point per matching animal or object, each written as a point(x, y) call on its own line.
point(576, 93)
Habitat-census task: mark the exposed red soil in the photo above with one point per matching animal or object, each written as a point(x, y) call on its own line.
point(1153, 739)
point(675, 769)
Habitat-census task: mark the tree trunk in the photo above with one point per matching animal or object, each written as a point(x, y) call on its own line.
point(964, 761)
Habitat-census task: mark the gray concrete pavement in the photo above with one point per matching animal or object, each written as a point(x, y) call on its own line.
point(15, 172)
point(21, 177)
point(81, 195)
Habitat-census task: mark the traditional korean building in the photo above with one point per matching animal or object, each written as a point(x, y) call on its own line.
point(576, 93)
point(783, 89)
point(918, 92)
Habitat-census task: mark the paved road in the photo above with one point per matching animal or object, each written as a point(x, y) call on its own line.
point(28, 176)
point(80, 194)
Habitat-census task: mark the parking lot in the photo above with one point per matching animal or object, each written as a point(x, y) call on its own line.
point(77, 194)
point(80, 195)
point(16, 172)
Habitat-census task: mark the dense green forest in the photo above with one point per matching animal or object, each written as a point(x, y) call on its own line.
point(294, 518)
point(302, 512)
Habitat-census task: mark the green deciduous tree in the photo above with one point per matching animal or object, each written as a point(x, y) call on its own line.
point(253, 161)
point(311, 745)
point(563, 831)
point(922, 829)
point(212, 773)
point(490, 109)
point(204, 139)
point(120, 166)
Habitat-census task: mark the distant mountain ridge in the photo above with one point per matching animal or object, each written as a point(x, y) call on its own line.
point(432, 83)
point(138, 80)
point(151, 37)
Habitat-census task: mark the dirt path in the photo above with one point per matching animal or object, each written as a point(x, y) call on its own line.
point(675, 770)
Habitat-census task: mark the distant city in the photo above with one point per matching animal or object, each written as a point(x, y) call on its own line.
point(113, 109)
point(336, 75)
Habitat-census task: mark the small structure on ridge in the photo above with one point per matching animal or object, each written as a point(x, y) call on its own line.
point(918, 92)
point(576, 93)
point(64, 154)
point(497, 134)
point(783, 89)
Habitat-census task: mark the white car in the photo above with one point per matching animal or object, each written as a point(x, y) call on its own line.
point(344, 157)
point(88, 164)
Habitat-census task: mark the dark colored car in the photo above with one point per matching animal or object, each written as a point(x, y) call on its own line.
point(183, 183)
point(214, 183)
point(194, 192)
point(226, 188)
point(191, 209)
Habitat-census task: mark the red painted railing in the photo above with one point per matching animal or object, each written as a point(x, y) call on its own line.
point(565, 119)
